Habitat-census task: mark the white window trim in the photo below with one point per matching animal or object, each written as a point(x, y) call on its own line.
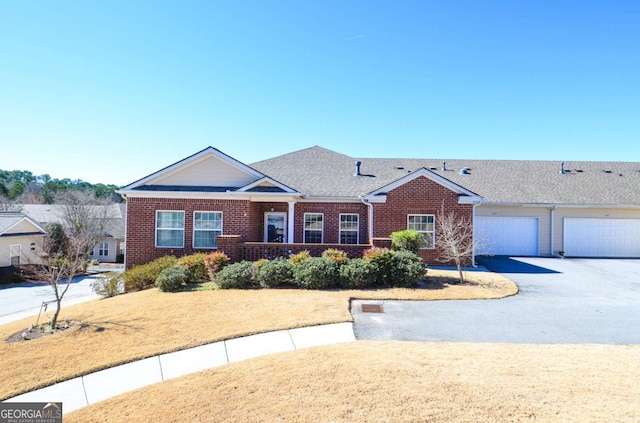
point(193, 241)
point(340, 230)
point(101, 249)
point(433, 233)
point(304, 229)
point(183, 228)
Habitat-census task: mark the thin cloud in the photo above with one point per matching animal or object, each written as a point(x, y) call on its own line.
point(356, 37)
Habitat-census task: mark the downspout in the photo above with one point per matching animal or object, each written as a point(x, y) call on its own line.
point(370, 225)
point(551, 232)
point(126, 224)
point(473, 219)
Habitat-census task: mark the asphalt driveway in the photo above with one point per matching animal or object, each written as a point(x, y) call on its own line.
point(560, 301)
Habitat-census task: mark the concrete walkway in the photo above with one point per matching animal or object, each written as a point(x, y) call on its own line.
point(89, 389)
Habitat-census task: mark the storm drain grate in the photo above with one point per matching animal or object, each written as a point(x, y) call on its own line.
point(371, 308)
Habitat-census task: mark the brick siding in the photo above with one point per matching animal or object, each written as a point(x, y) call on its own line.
point(243, 223)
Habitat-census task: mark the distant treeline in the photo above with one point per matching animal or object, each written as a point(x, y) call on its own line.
point(24, 187)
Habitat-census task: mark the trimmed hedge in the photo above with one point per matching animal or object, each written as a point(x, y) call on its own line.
point(196, 269)
point(273, 273)
point(317, 273)
point(235, 276)
point(172, 278)
point(145, 275)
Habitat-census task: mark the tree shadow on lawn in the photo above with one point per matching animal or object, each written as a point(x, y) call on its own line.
point(85, 325)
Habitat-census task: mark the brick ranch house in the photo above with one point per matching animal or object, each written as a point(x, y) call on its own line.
point(316, 198)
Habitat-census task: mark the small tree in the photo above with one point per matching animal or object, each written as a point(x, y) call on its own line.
point(82, 224)
point(455, 239)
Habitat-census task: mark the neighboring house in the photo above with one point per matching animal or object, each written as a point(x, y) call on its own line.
point(316, 198)
point(21, 240)
point(110, 247)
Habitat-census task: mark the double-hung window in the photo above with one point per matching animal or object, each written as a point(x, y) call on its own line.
point(103, 249)
point(425, 224)
point(207, 226)
point(170, 229)
point(349, 229)
point(313, 228)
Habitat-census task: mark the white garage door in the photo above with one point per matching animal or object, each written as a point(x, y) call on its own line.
point(511, 236)
point(601, 237)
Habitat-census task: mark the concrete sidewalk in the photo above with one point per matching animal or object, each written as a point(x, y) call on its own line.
point(89, 389)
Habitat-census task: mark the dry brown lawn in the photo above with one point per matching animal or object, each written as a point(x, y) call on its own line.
point(143, 324)
point(369, 381)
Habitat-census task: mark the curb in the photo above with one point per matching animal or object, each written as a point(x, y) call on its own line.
point(93, 387)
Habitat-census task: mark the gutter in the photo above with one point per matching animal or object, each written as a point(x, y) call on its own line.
point(473, 219)
point(370, 226)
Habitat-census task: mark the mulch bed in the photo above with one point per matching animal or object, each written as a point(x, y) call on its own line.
point(40, 331)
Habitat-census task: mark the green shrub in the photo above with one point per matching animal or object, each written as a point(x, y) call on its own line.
point(214, 262)
point(358, 273)
point(317, 273)
point(382, 259)
point(395, 268)
point(275, 272)
point(301, 256)
point(408, 240)
point(109, 285)
point(406, 269)
point(172, 278)
point(336, 255)
point(195, 264)
point(145, 275)
point(235, 276)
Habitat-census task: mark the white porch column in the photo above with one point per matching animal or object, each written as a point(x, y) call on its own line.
point(290, 221)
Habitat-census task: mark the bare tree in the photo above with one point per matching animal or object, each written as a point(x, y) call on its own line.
point(83, 222)
point(455, 239)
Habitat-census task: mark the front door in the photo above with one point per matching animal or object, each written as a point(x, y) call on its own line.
point(275, 227)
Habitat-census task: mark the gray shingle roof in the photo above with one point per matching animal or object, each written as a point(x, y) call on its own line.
point(317, 171)
point(10, 219)
point(53, 213)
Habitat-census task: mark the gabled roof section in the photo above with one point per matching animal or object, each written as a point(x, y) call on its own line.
point(207, 168)
point(13, 223)
point(423, 172)
point(267, 184)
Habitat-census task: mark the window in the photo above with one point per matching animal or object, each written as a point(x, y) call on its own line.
point(103, 249)
point(425, 224)
point(170, 229)
point(206, 228)
point(349, 229)
point(313, 228)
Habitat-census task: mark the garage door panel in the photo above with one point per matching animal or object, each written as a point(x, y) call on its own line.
point(586, 237)
point(514, 236)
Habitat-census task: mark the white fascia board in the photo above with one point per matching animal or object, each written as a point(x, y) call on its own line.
point(193, 159)
point(427, 174)
point(475, 199)
point(28, 219)
point(461, 199)
point(329, 199)
point(562, 205)
point(269, 180)
point(229, 195)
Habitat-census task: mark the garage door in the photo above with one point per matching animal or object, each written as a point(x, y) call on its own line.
point(601, 237)
point(512, 236)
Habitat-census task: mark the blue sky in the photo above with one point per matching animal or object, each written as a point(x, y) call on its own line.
point(110, 91)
